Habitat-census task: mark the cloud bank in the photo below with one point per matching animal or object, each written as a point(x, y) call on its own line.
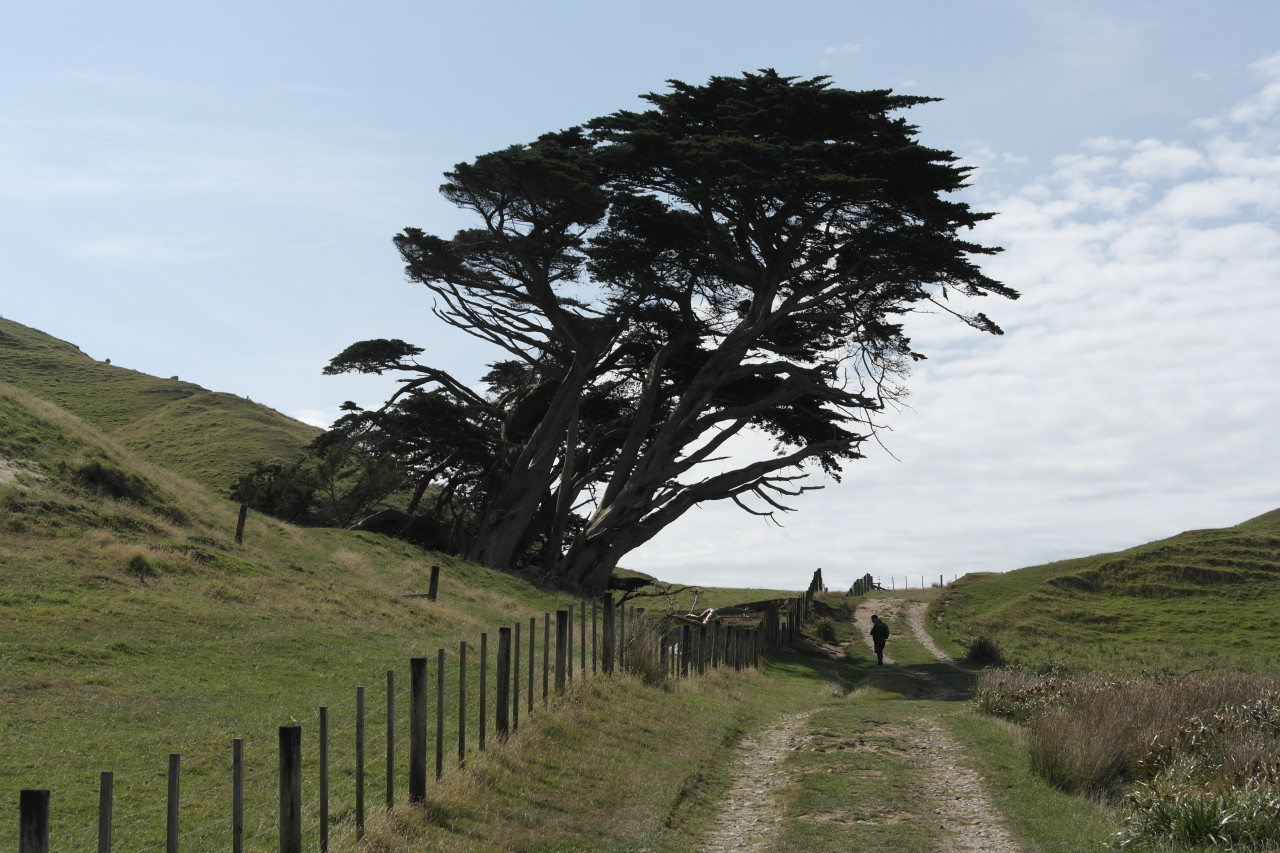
point(1135, 393)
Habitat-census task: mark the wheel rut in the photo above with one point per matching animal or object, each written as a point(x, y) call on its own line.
point(751, 816)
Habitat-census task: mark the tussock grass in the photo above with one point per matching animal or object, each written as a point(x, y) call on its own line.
point(1196, 760)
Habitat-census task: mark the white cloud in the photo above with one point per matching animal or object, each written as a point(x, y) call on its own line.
point(315, 417)
point(846, 49)
point(1135, 395)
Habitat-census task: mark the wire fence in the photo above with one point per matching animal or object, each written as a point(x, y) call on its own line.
point(375, 749)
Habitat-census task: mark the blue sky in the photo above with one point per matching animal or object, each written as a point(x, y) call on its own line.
point(211, 192)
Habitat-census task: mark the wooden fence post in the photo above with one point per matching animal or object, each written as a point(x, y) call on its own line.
point(484, 688)
point(533, 649)
point(620, 636)
point(33, 822)
point(171, 820)
point(435, 583)
point(237, 795)
point(562, 628)
point(462, 703)
point(391, 739)
point(546, 657)
point(566, 639)
point(244, 514)
point(290, 789)
point(324, 780)
point(359, 763)
point(440, 713)
point(106, 800)
point(582, 635)
point(606, 650)
point(515, 679)
point(595, 606)
point(417, 730)
point(502, 691)
point(686, 647)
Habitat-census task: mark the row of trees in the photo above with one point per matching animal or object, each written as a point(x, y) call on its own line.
point(736, 258)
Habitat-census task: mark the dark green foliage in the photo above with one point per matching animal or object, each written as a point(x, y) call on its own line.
point(110, 481)
point(283, 491)
point(139, 567)
point(983, 650)
point(734, 258)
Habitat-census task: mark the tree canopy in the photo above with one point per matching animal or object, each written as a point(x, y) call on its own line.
point(737, 257)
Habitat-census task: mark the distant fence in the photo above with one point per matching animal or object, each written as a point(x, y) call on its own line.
point(266, 805)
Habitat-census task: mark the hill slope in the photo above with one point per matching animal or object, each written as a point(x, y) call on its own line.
point(154, 417)
point(1204, 599)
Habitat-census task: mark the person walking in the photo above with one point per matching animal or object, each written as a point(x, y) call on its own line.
point(879, 635)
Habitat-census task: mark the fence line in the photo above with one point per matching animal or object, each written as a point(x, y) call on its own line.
point(620, 638)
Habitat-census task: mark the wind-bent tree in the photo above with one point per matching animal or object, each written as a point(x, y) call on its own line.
point(736, 258)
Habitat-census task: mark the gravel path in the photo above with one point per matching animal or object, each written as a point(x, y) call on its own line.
point(961, 807)
point(751, 814)
point(967, 821)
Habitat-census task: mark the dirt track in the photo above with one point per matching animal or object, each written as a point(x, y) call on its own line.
point(753, 810)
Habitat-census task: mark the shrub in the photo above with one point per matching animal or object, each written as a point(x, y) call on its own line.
point(1173, 810)
point(983, 650)
point(824, 629)
point(113, 482)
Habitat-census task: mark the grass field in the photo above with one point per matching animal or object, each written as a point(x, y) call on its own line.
point(1201, 600)
point(133, 626)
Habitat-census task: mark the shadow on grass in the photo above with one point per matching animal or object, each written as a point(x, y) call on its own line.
point(929, 681)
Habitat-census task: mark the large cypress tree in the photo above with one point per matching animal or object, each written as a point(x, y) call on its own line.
point(737, 257)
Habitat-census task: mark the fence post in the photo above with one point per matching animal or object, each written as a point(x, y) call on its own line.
point(462, 703)
point(562, 622)
point(417, 730)
point(324, 780)
point(439, 713)
point(533, 649)
point(237, 795)
point(171, 821)
point(435, 583)
point(244, 513)
point(620, 635)
point(595, 606)
point(567, 641)
point(502, 692)
point(484, 688)
point(391, 738)
point(106, 799)
point(582, 635)
point(290, 789)
point(686, 647)
point(33, 822)
point(359, 763)
point(546, 656)
point(606, 650)
point(515, 680)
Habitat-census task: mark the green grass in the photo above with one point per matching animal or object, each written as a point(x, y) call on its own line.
point(1202, 600)
point(210, 437)
point(106, 667)
point(1035, 811)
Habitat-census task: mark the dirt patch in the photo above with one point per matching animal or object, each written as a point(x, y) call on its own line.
point(751, 813)
point(9, 471)
point(959, 807)
point(963, 811)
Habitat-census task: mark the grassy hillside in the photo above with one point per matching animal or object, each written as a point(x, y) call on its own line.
point(133, 626)
point(154, 417)
point(1204, 599)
